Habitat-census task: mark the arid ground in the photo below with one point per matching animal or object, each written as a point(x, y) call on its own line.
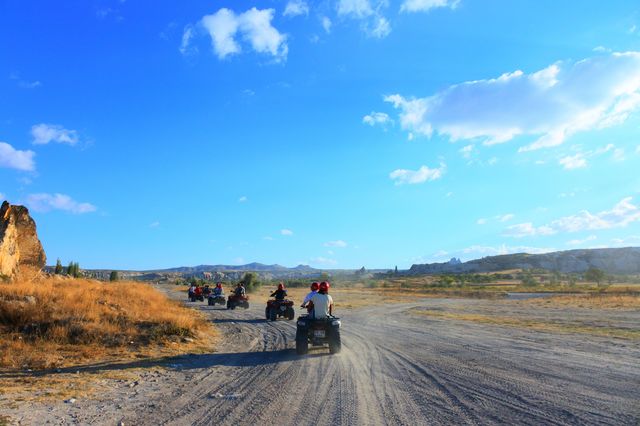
point(420, 361)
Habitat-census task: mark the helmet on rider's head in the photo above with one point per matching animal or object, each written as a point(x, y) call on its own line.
point(280, 286)
point(324, 287)
point(315, 286)
point(239, 284)
point(219, 285)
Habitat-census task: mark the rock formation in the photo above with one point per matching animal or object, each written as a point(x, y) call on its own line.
point(21, 253)
point(625, 260)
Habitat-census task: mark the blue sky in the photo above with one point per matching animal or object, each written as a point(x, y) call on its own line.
point(337, 133)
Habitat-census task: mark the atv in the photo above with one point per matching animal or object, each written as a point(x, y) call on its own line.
point(279, 308)
point(193, 297)
point(233, 301)
point(214, 299)
point(318, 333)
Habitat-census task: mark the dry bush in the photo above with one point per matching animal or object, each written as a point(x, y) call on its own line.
point(53, 321)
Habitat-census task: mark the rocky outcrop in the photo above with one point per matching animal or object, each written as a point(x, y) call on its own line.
point(21, 253)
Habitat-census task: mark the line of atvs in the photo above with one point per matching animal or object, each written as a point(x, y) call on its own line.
point(309, 331)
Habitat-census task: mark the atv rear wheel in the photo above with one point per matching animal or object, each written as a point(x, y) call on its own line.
point(273, 315)
point(290, 313)
point(302, 346)
point(335, 344)
point(266, 313)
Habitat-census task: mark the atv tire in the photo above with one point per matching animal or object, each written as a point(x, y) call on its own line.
point(273, 315)
point(302, 346)
point(290, 314)
point(335, 344)
point(266, 313)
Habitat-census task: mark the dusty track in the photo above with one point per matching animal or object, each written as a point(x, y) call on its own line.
point(394, 369)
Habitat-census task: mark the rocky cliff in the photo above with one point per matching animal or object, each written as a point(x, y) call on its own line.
point(21, 253)
point(611, 260)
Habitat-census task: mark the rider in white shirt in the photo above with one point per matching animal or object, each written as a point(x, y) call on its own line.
point(322, 302)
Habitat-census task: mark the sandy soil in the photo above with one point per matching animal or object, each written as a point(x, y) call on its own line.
point(396, 367)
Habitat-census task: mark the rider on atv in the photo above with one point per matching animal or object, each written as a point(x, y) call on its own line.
point(240, 291)
point(218, 291)
point(314, 289)
point(322, 302)
point(280, 294)
point(198, 291)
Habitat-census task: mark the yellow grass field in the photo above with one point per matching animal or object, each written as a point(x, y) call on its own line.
point(58, 322)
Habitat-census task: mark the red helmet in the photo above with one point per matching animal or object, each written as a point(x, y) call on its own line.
point(325, 286)
point(219, 285)
point(315, 286)
point(280, 286)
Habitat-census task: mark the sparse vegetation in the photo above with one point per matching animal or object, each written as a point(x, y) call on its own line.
point(60, 321)
point(73, 270)
point(58, 269)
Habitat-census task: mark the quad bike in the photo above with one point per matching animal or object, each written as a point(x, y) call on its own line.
point(215, 299)
point(279, 308)
point(193, 297)
point(233, 301)
point(318, 333)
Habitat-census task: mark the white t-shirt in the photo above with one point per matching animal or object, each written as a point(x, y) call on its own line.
point(321, 303)
point(308, 297)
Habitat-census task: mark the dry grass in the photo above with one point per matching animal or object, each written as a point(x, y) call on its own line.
point(534, 324)
point(590, 301)
point(57, 322)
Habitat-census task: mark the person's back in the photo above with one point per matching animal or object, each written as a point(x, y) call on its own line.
point(217, 291)
point(240, 291)
point(322, 305)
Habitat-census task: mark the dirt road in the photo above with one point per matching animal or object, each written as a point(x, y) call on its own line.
point(395, 368)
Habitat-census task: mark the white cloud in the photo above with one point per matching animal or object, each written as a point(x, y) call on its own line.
point(243, 199)
point(24, 84)
point(286, 232)
point(425, 5)
point(527, 230)
point(374, 24)
point(621, 215)
point(2, 196)
point(296, 7)
point(466, 151)
point(336, 243)
point(377, 118)
point(423, 174)
point(504, 249)
point(268, 238)
point(322, 261)
point(492, 161)
point(380, 27)
point(601, 49)
point(481, 221)
point(638, 149)
point(45, 133)
point(48, 202)
point(326, 24)
point(355, 8)
point(15, 159)
point(154, 224)
point(187, 36)
point(254, 27)
point(582, 241)
point(571, 162)
point(552, 103)
point(505, 217)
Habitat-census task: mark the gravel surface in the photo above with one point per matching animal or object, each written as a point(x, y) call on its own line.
point(395, 367)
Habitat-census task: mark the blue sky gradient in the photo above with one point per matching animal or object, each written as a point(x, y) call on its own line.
point(340, 134)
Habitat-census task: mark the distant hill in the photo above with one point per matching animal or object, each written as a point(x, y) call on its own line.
point(611, 260)
point(250, 267)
